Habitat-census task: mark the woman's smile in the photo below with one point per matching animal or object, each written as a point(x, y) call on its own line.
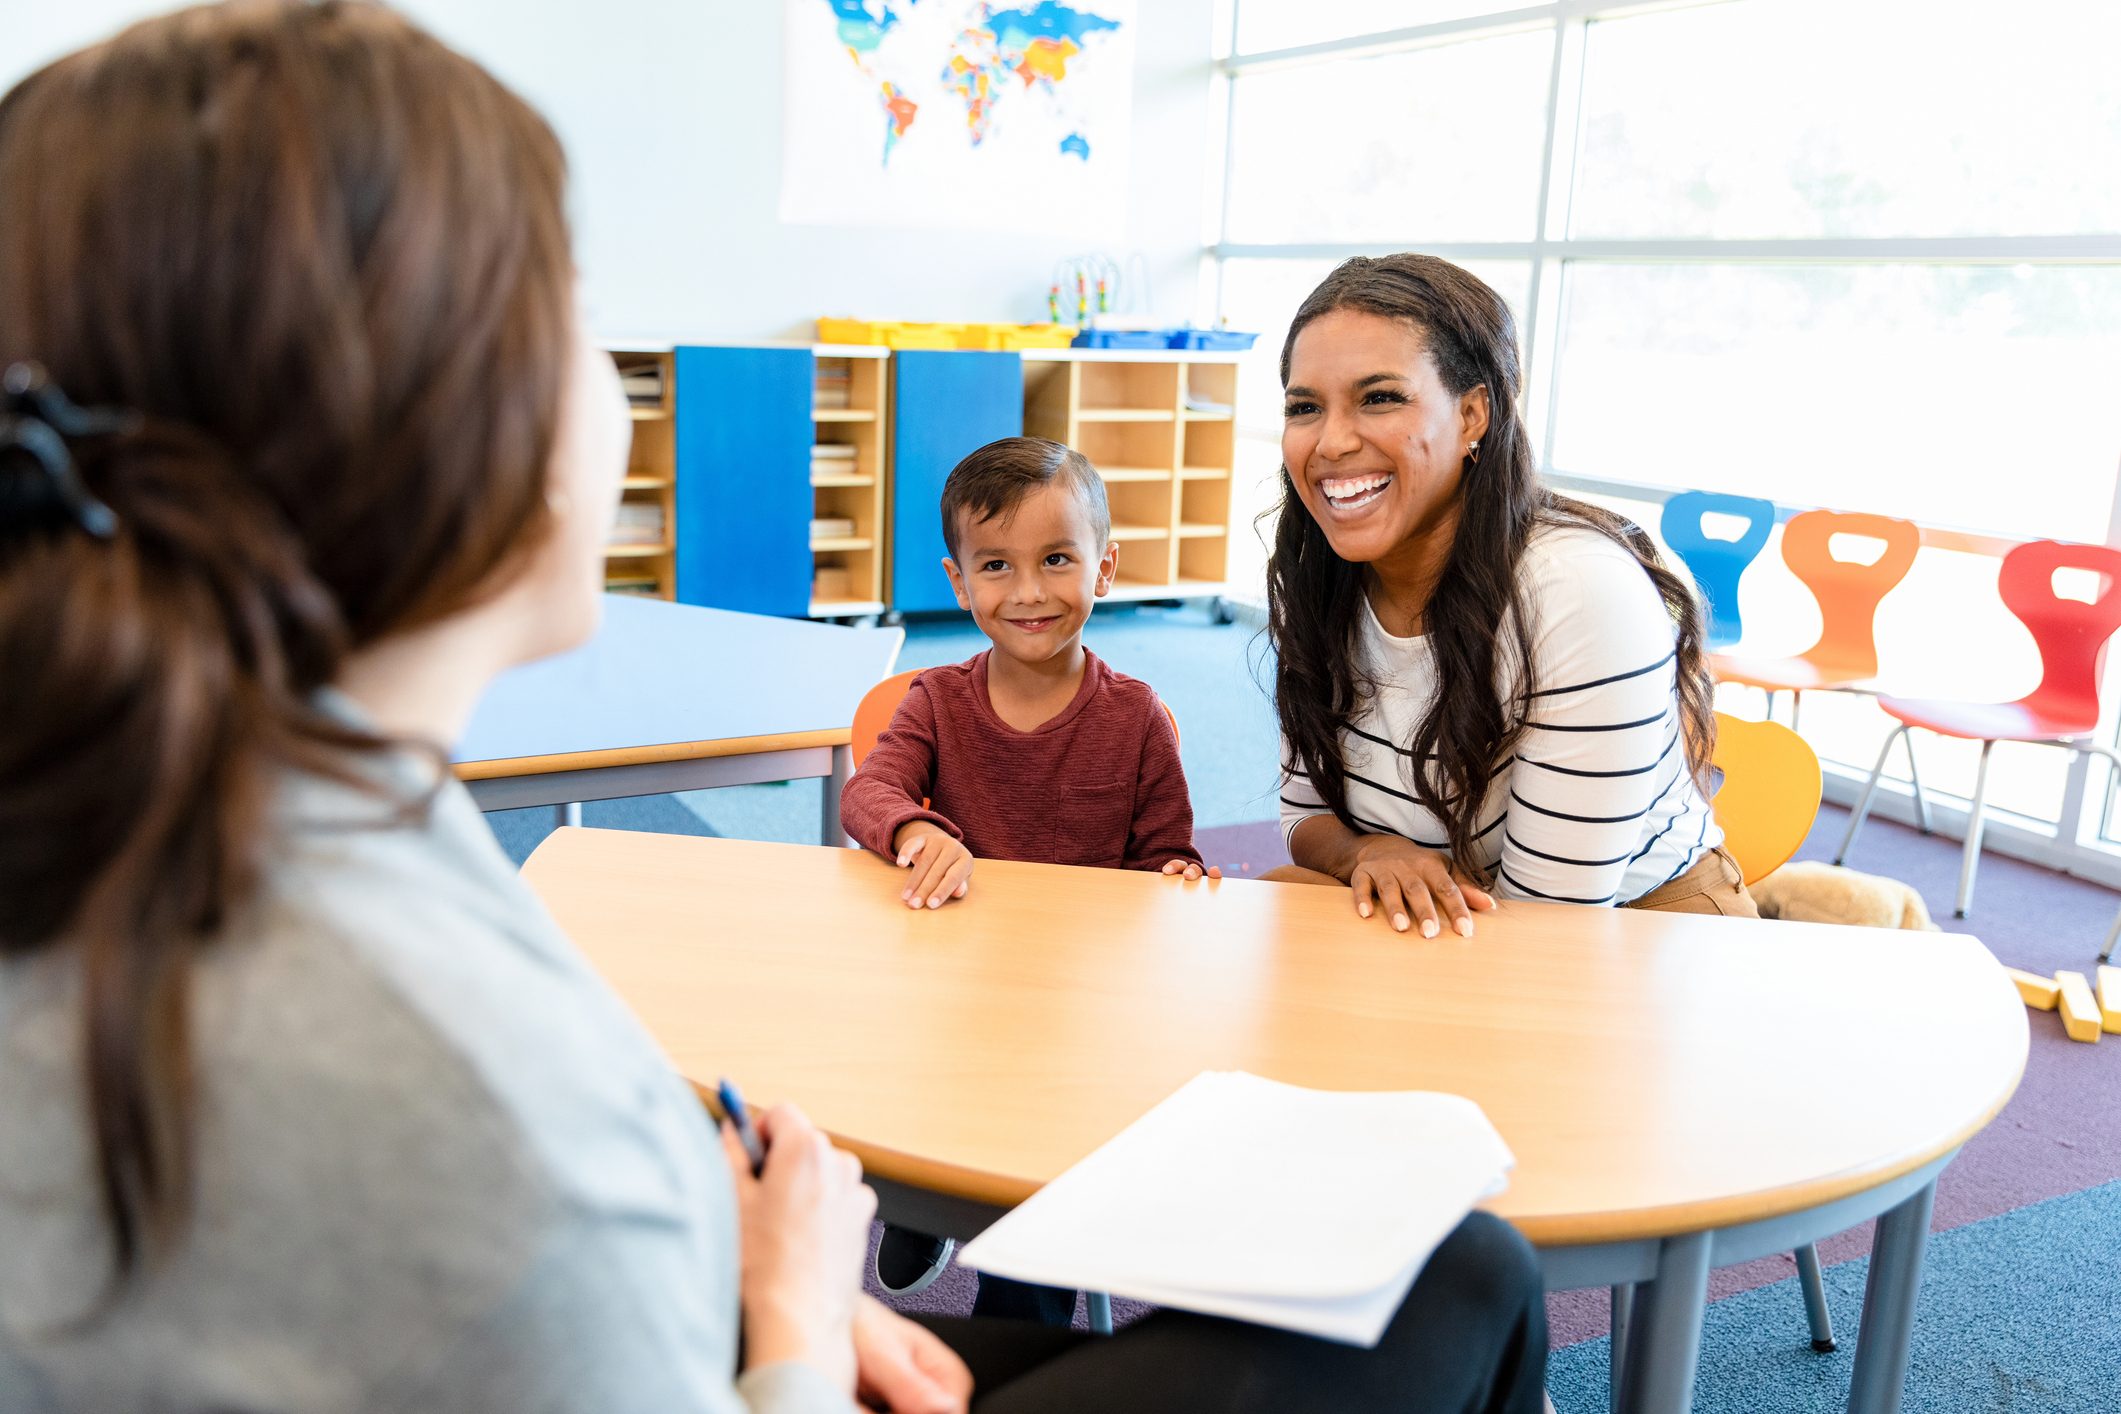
point(1348, 496)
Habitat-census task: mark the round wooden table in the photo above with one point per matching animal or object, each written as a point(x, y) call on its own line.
point(1681, 1092)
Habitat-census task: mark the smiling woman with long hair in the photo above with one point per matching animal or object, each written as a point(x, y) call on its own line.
point(1485, 688)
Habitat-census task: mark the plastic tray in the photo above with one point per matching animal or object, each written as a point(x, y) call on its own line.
point(1218, 340)
point(1123, 339)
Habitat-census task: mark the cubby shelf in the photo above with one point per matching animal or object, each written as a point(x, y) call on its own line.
point(1167, 467)
point(642, 567)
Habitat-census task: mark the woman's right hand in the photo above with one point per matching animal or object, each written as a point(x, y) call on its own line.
point(1411, 885)
point(804, 1232)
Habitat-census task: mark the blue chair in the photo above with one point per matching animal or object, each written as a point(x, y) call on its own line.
point(1717, 564)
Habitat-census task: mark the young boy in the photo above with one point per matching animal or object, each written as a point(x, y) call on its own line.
point(1034, 750)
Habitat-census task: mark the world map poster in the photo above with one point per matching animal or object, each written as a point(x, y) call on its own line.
point(968, 114)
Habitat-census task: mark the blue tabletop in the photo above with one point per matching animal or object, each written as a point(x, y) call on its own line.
point(658, 673)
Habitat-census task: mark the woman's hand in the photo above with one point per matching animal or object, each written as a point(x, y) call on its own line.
point(941, 865)
point(804, 1230)
point(1191, 870)
point(903, 1367)
point(1411, 885)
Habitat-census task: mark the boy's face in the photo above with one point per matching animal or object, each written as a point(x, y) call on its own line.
point(1029, 578)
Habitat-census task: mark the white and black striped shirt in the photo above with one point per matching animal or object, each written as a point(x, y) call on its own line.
point(1596, 806)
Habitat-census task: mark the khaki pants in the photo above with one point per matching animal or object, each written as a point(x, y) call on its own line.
point(1714, 885)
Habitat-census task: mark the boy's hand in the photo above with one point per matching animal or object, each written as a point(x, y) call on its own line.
point(1191, 870)
point(941, 865)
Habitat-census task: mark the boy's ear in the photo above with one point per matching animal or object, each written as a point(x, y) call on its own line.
point(957, 581)
point(1108, 568)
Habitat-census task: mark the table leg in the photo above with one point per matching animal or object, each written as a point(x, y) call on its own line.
point(568, 814)
point(830, 832)
point(1664, 1333)
point(1617, 1343)
point(1889, 1305)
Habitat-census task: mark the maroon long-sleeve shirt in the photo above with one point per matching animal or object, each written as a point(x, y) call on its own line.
point(1098, 784)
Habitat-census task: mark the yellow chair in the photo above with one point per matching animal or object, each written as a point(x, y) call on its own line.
point(1766, 805)
point(1770, 793)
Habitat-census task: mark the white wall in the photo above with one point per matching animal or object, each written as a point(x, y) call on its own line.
point(671, 113)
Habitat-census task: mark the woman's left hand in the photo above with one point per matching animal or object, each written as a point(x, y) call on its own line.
point(904, 1367)
point(1191, 870)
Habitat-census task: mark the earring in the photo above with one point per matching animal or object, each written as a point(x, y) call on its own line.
point(1473, 451)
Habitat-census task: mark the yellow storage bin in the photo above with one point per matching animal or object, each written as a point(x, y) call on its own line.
point(896, 334)
point(1017, 336)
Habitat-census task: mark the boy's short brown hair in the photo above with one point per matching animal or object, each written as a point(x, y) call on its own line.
point(995, 479)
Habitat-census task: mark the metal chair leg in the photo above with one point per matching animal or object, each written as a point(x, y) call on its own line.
point(1100, 1311)
point(1863, 802)
point(1814, 1288)
point(1914, 778)
point(2113, 936)
point(1974, 821)
point(1796, 701)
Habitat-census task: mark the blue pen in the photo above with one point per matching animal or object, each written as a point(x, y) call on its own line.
point(733, 1106)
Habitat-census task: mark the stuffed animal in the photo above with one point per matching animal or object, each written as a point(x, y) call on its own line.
point(1809, 892)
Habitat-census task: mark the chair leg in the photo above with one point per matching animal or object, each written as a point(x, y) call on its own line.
point(1974, 822)
point(2113, 936)
point(1796, 701)
point(1814, 1288)
point(1099, 1309)
point(1863, 802)
point(1914, 776)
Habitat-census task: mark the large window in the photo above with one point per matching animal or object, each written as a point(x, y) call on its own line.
point(1863, 254)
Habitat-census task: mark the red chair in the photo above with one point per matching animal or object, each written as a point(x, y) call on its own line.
point(2062, 711)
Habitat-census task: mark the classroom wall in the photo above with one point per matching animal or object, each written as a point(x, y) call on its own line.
point(671, 112)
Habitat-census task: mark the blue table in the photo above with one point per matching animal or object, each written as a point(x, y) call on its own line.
point(671, 697)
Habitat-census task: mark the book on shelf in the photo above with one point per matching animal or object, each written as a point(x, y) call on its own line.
point(833, 452)
point(642, 385)
point(831, 527)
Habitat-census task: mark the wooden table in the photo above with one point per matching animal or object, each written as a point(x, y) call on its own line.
point(1681, 1092)
point(672, 697)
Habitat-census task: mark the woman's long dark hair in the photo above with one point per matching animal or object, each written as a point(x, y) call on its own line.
point(322, 263)
point(1477, 619)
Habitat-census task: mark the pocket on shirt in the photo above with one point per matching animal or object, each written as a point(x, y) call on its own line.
point(1091, 820)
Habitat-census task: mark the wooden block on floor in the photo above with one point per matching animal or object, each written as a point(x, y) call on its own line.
point(2039, 992)
point(2080, 1014)
point(2110, 999)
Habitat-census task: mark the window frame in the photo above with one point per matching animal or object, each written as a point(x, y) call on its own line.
point(2075, 845)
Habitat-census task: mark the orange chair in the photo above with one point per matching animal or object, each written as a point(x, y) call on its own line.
point(1770, 793)
point(2062, 711)
point(1848, 593)
point(873, 713)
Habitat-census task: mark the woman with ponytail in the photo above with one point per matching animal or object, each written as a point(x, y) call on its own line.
point(305, 1103)
point(1486, 689)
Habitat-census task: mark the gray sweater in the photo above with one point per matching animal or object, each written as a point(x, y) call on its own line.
point(439, 1166)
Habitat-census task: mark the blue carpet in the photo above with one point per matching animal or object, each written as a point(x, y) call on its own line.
point(2010, 1320)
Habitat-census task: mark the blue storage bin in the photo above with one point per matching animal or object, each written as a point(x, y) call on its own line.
point(1212, 339)
point(1123, 339)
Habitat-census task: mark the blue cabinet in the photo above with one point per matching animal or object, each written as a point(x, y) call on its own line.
point(944, 406)
point(743, 489)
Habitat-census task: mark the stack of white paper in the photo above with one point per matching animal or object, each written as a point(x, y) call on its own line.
point(1311, 1210)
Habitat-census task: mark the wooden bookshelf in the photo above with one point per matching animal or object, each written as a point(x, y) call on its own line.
point(632, 564)
point(1159, 427)
point(848, 573)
